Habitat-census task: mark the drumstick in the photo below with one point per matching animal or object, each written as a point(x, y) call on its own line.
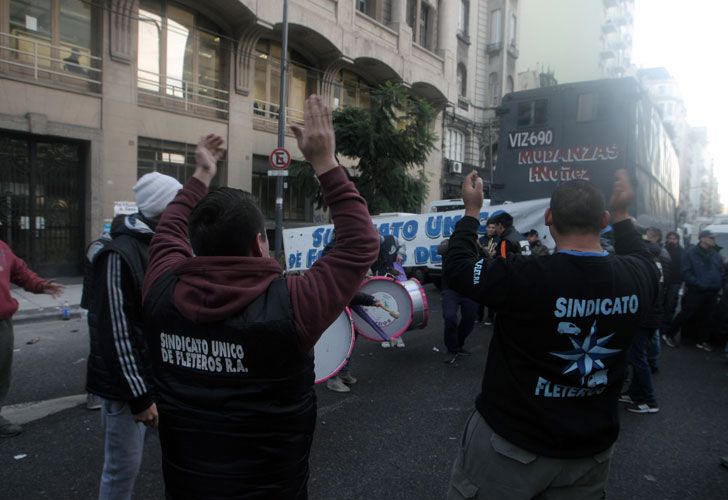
point(392, 313)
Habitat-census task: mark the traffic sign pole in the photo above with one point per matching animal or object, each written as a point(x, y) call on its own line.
point(281, 133)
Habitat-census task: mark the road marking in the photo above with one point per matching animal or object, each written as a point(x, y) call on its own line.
point(23, 413)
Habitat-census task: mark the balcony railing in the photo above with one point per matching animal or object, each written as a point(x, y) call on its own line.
point(25, 56)
point(181, 95)
point(265, 116)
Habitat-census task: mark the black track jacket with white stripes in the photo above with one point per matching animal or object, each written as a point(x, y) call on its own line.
point(118, 364)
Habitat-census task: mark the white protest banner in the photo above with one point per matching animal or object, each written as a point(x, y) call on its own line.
point(419, 233)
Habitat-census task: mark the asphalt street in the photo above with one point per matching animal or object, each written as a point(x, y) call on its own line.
point(393, 436)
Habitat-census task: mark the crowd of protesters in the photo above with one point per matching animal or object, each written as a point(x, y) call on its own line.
point(196, 330)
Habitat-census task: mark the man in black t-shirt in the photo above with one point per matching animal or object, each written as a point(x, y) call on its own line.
point(547, 415)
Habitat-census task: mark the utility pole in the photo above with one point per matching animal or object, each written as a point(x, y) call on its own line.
point(283, 101)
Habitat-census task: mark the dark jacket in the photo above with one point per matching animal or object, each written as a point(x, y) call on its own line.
point(92, 251)
point(702, 269)
point(118, 364)
point(675, 276)
point(653, 318)
point(513, 242)
point(253, 422)
point(557, 359)
point(231, 343)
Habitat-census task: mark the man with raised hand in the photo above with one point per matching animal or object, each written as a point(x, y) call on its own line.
point(232, 338)
point(547, 415)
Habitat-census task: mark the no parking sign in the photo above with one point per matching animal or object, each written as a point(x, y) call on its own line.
point(280, 160)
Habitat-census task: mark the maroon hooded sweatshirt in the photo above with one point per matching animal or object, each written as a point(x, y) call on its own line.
point(213, 289)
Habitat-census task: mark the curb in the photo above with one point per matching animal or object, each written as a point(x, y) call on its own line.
point(24, 413)
point(45, 314)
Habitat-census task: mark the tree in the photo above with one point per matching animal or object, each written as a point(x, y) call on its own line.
point(389, 140)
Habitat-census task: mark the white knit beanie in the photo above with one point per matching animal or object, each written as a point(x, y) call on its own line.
point(154, 192)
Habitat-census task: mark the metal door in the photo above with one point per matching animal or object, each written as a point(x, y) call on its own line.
point(42, 202)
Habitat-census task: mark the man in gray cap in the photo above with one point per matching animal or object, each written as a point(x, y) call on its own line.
point(702, 269)
point(118, 363)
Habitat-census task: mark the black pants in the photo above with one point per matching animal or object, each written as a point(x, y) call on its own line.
point(699, 305)
point(457, 331)
point(672, 297)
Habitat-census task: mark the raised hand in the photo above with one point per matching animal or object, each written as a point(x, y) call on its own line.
point(316, 139)
point(622, 196)
point(209, 151)
point(472, 193)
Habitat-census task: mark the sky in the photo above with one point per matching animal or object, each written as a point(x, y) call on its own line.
point(690, 40)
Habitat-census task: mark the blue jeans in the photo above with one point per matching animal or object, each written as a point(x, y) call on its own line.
point(653, 350)
point(457, 331)
point(123, 447)
point(641, 389)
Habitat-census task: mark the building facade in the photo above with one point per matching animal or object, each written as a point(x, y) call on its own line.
point(698, 182)
point(487, 50)
point(575, 40)
point(93, 94)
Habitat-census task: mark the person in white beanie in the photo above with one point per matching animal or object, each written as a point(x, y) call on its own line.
point(118, 364)
point(153, 192)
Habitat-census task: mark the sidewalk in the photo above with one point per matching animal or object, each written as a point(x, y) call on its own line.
point(43, 307)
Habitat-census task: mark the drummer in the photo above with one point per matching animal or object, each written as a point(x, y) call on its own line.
point(344, 379)
point(231, 339)
point(389, 263)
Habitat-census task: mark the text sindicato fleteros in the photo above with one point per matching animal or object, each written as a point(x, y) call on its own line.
point(215, 356)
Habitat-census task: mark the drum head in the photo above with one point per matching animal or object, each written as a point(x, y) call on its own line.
point(395, 297)
point(333, 348)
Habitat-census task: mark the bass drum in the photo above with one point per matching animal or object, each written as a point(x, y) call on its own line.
point(420, 306)
point(333, 349)
point(375, 323)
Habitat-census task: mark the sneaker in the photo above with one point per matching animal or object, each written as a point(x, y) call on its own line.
point(669, 342)
point(386, 344)
point(704, 346)
point(625, 398)
point(399, 343)
point(450, 359)
point(347, 378)
point(337, 385)
point(9, 429)
point(464, 352)
point(488, 322)
point(93, 402)
point(643, 408)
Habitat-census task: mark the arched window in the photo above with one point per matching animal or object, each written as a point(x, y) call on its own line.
point(350, 90)
point(509, 85)
point(462, 80)
point(180, 55)
point(302, 81)
point(495, 90)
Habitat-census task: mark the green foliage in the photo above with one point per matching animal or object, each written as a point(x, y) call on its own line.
point(391, 140)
